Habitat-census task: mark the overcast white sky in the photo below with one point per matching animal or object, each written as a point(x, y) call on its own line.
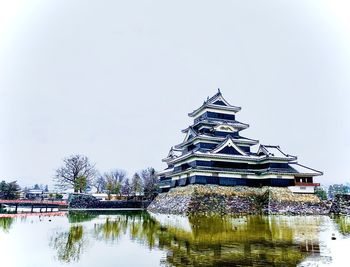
point(114, 80)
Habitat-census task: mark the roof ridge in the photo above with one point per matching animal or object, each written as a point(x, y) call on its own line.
point(277, 146)
point(214, 96)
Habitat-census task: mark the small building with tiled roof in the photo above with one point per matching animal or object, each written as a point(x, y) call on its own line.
point(214, 152)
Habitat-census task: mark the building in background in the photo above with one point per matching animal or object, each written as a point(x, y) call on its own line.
point(36, 194)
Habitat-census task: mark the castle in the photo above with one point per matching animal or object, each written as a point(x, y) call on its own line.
point(214, 152)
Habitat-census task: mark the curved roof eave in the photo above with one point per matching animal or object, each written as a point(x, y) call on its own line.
point(304, 170)
point(206, 105)
point(225, 156)
point(218, 139)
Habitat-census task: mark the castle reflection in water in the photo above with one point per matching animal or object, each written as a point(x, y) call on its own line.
point(196, 240)
point(204, 241)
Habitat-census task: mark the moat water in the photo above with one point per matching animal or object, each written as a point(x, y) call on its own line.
point(145, 239)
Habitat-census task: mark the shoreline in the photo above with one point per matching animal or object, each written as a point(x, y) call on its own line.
point(26, 214)
point(216, 200)
point(63, 213)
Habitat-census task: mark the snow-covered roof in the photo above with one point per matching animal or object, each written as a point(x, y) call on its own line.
point(273, 151)
point(173, 153)
point(190, 133)
point(218, 102)
point(251, 157)
point(228, 142)
point(163, 172)
point(35, 191)
point(301, 169)
point(214, 122)
point(207, 137)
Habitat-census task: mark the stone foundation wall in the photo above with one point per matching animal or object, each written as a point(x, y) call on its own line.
point(83, 201)
point(208, 199)
point(341, 205)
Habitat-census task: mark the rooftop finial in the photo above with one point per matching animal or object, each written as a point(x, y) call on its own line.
point(219, 90)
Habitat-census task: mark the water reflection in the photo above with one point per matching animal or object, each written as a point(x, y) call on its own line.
point(198, 240)
point(81, 216)
point(69, 245)
point(139, 226)
point(247, 241)
point(111, 230)
point(343, 223)
point(5, 224)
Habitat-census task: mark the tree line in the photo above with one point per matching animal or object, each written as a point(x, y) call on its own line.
point(332, 191)
point(79, 174)
point(9, 190)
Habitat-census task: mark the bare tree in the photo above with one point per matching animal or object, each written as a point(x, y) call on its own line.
point(100, 183)
point(77, 172)
point(118, 175)
point(136, 185)
point(114, 180)
point(150, 182)
point(126, 188)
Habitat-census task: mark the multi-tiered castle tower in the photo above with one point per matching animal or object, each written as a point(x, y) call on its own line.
point(214, 152)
